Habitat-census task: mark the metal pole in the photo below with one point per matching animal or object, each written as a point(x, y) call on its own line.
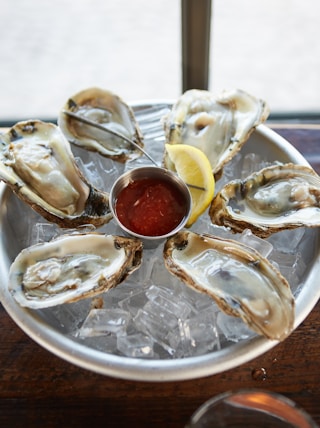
point(196, 19)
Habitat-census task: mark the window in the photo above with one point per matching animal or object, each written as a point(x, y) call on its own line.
point(51, 50)
point(270, 48)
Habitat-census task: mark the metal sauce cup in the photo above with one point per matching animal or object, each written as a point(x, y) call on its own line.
point(152, 172)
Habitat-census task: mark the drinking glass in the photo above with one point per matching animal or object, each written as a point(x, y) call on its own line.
point(250, 408)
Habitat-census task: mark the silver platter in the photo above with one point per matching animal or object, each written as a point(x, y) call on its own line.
point(40, 327)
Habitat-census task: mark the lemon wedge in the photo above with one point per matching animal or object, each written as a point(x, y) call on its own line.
point(194, 168)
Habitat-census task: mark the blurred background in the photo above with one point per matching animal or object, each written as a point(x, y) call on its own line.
point(50, 50)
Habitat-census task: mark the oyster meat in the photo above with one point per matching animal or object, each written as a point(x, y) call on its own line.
point(108, 110)
point(237, 277)
point(36, 161)
point(72, 267)
point(218, 126)
point(276, 198)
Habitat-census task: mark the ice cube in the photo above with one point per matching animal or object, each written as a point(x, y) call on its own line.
point(231, 171)
point(250, 163)
point(156, 270)
point(165, 299)
point(156, 327)
point(233, 328)
point(69, 316)
point(261, 245)
point(195, 336)
point(152, 257)
point(162, 314)
point(101, 173)
point(291, 266)
point(135, 346)
point(101, 322)
point(106, 343)
point(287, 241)
point(134, 301)
point(43, 232)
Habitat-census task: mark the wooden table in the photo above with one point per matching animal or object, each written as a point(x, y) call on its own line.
point(37, 389)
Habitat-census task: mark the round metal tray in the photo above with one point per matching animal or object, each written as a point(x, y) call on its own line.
point(42, 330)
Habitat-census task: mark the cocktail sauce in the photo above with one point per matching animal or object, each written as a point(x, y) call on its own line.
point(150, 206)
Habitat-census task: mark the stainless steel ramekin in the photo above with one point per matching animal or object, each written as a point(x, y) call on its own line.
point(150, 172)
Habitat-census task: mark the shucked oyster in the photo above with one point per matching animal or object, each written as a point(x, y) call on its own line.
point(72, 267)
point(238, 278)
point(111, 112)
point(276, 198)
point(37, 163)
point(217, 126)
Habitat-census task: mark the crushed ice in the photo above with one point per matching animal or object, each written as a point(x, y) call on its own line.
point(152, 314)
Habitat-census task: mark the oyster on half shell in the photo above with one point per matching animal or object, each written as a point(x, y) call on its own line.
point(37, 163)
point(276, 198)
point(108, 110)
point(237, 277)
point(72, 267)
point(219, 126)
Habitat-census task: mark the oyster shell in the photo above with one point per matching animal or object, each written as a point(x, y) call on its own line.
point(238, 278)
point(109, 110)
point(37, 163)
point(219, 126)
point(71, 268)
point(276, 198)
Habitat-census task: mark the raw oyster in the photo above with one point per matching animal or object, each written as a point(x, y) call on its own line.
point(219, 126)
point(276, 198)
point(238, 278)
point(37, 163)
point(72, 267)
point(108, 110)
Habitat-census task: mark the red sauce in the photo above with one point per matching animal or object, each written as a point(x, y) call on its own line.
point(150, 207)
